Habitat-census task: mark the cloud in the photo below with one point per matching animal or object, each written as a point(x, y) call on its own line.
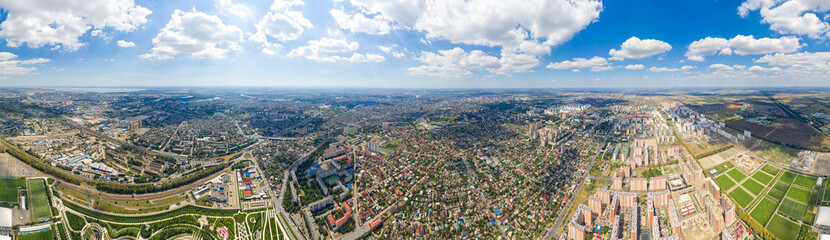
point(324, 49)
point(360, 23)
point(812, 63)
point(233, 9)
point(196, 34)
point(280, 26)
point(279, 5)
point(8, 66)
point(764, 69)
point(790, 16)
point(663, 69)
point(579, 63)
point(457, 63)
point(634, 48)
point(635, 67)
point(524, 30)
point(721, 67)
point(61, 22)
point(707, 46)
point(125, 44)
point(741, 45)
point(389, 50)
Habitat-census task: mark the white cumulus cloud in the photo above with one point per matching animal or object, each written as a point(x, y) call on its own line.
point(61, 22)
point(125, 44)
point(524, 30)
point(579, 63)
point(663, 69)
point(799, 17)
point(741, 45)
point(234, 9)
point(280, 24)
point(10, 66)
point(326, 50)
point(360, 23)
point(635, 67)
point(457, 63)
point(194, 34)
point(635, 48)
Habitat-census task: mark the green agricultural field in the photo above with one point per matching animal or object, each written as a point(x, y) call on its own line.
point(724, 182)
point(763, 211)
point(779, 190)
point(772, 170)
point(38, 200)
point(787, 177)
point(805, 181)
point(792, 209)
point(754, 187)
point(37, 236)
point(741, 197)
point(782, 228)
point(799, 194)
point(8, 195)
point(762, 177)
point(736, 174)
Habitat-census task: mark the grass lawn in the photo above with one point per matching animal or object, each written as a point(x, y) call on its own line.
point(826, 191)
point(754, 187)
point(799, 194)
point(723, 167)
point(792, 209)
point(805, 181)
point(37, 236)
point(724, 182)
point(762, 177)
point(782, 228)
point(736, 174)
point(8, 183)
point(787, 177)
point(741, 197)
point(8, 195)
point(779, 190)
point(39, 202)
point(772, 170)
point(763, 211)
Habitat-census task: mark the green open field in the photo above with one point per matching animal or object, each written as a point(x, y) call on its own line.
point(8, 195)
point(736, 174)
point(792, 209)
point(8, 182)
point(763, 211)
point(741, 197)
point(37, 236)
point(772, 170)
point(762, 177)
point(779, 190)
point(805, 181)
point(788, 177)
point(723, 167)
point(799, 194)
point(754, 187)
point(725, 182)
point(38, 199)
point(826, 191)
point(782, 228)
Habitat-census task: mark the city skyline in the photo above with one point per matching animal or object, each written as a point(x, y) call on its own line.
point(414, 44)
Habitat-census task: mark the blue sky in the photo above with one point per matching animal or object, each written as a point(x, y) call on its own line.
point(405, 43)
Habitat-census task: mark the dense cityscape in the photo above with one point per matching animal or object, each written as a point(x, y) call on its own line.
point(205, 163)
point(414, 119)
